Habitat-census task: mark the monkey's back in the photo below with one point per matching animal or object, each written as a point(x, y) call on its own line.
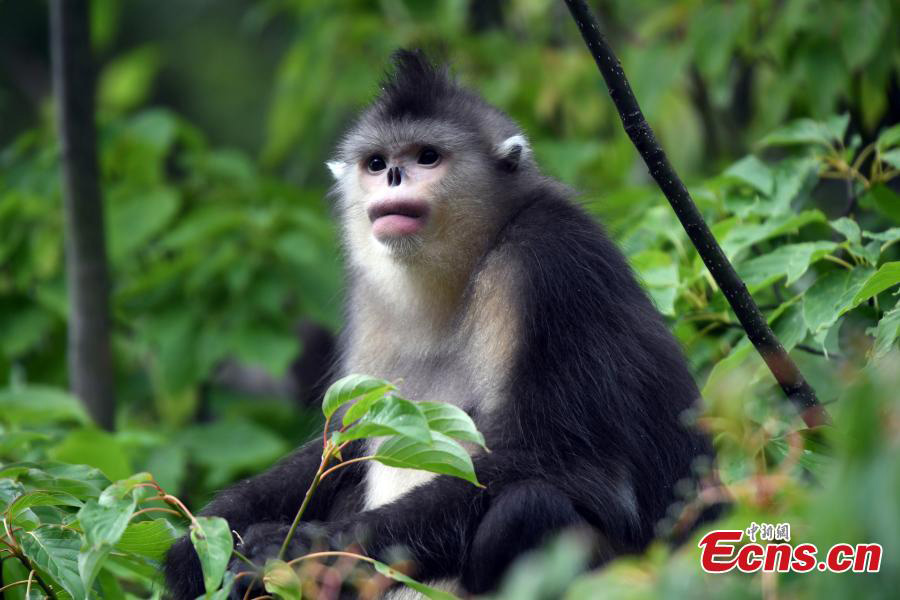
point(598, 379)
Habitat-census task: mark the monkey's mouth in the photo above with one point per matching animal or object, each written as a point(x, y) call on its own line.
point(394, 218)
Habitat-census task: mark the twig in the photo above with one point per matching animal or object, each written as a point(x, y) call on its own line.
point(47, 589)
point(312, 555)
point(345, 463)
point(302, 509)
point(773, 353)
point(157, 509)
point(15, 583)
point(817, 352)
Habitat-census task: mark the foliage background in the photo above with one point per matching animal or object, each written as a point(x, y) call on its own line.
point(215, 120)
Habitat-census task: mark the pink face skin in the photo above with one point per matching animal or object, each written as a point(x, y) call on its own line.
point(397, 188)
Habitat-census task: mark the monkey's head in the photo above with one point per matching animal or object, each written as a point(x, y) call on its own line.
point(428, 171)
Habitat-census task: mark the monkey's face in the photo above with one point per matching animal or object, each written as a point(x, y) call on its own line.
point(415, 192)
point(398, 188)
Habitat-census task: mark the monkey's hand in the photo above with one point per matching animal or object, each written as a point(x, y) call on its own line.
point(261, 542)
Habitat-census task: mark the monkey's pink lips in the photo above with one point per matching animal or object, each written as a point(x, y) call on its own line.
point(395, 218)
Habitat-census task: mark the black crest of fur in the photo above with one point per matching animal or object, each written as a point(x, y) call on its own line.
point(415, 88)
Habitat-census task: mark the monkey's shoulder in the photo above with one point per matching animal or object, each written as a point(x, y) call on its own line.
point(557, 244)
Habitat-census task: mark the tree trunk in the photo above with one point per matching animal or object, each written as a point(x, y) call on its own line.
point(89, 360)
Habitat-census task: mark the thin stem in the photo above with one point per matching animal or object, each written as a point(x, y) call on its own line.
point(325, 434)
point(345, 463)
point(47, 589)
point(243, 558)
point(839, 261)
point(250, 587)
point(15, 583)
point(302, 509)
point(176, 502)
point(28, 587)
point(889, 174)
point(857, 164)
point(153, 485)
point(817, 352)
point(156, 509)
point(331, 553)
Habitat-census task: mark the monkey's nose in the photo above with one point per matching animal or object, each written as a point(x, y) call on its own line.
point(394, 176)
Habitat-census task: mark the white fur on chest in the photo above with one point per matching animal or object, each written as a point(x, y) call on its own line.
point(385, 484)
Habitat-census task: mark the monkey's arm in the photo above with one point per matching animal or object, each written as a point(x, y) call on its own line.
point(449, 527)
point(273, 496)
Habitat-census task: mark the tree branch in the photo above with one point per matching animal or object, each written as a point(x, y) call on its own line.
point(780, 364)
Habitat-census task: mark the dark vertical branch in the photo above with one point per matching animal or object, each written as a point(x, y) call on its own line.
point(782, 366)
point(90, 364)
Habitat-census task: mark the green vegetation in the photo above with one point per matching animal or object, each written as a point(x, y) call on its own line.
point(781, 116)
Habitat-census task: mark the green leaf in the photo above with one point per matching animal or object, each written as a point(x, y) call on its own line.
point(103, 522)
point(135, 218)
point(886, 333)
point(81, 481)
point(281, 579)
point(349, 388)
point(790, 260)
point(94, 447)
point(54, 550)
point(40, 405)
point(212, 540)
point(790, 328)
point(848, 228)
point(151, 539)
point(884, 200)
point(154, 128)
point(212, 446)
point(443, 455)
point(390, 415)
point(126, 80)
point(223, 593)
point(888, 138)
point(743, 235)
point(659, 274)
point(831, 296)
point(888, 235)
point(790, 178)
point(753, 172)
point(273, 351)
point(863, 25)
point(24, 329)
point(428, 592)
point(41, 498)
point(452, 421)
point(123, 487)
point(887, 276)
point(364, 403)
point(807, 131)
point(892, 157)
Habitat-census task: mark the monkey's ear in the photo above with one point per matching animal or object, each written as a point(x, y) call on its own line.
point(511, 151)
point(337, 168)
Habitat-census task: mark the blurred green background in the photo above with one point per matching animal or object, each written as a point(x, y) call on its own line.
point(215, 119)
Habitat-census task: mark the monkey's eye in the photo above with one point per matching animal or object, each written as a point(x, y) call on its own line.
point(429, 156)
point(375, 164)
